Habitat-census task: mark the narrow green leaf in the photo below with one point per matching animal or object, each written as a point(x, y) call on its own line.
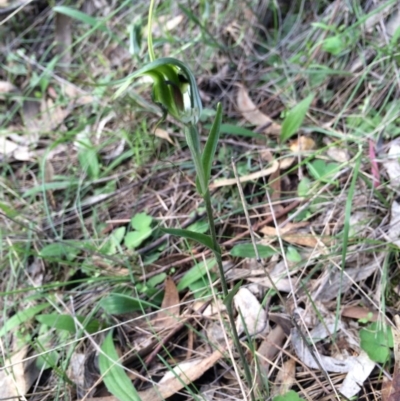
point(229, 298)
point(118, 304)
point(201, 238)
point(82, 17)
point(232, 129)
point(211, 144)
point(67, 323)
point(21, 317)
point(114, 376)
point(295, 118)
point(247, 251)
point(195, 273)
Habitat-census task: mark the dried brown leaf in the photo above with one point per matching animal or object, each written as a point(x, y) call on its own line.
point(250, 177)
point(63, 38)
point(251, 314)
point(253, 115)
point(358, 312)
point(7, 87)
point(169, 313)
point(269, 348)
point(163, 134)
point(171, 386)
point(302, 144)
point(285, 378)
point(18, 375)
point(303, 239)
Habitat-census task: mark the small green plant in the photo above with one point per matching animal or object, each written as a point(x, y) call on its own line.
point(175, 92)
point(376, 341)
point(289, 396)
point(141, 224)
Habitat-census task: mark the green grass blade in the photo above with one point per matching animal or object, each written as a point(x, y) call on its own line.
point(114, 376)
point(211, 144)
point(82, 17)
point(346, 230)
point(194, 274)
point(201, 238)
point(295, 118)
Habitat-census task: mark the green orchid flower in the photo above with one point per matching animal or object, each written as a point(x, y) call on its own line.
point(174, 88)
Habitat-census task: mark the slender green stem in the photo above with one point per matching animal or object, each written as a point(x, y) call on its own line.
point(149, 32)
point(218, 257)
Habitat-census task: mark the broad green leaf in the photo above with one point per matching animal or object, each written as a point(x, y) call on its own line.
point(293, 255)
point(141, 222)
point(135, 238)
point(21, 317)
point(66, 322)
point(320, 170)
point(117, 304)
point(88, 159)
point(211, 144)
point(303, 188)
point(334, 45)
point(201, 238)
point(201, 226)
point(247, 251)
point(114, 376)
point(294, 118)
point(110, 246)
point(376, 339)
point(195, 273)
point(60, 250)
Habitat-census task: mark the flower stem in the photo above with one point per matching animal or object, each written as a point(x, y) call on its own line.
point(218, 257)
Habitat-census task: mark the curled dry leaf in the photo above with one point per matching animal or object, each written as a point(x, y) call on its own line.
point(302, 144)
point(300, 238)
point(328, 287)
point(18, 375)
point(358, 312)
point(285, 379)
point(168, 316)
point(167, 388)
point(250, 177)
point(253, 115)
point(269, 348)
point(356, 376)
point(329, 364)
point(163, 134)
point(7, 87)
point(250, 313)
